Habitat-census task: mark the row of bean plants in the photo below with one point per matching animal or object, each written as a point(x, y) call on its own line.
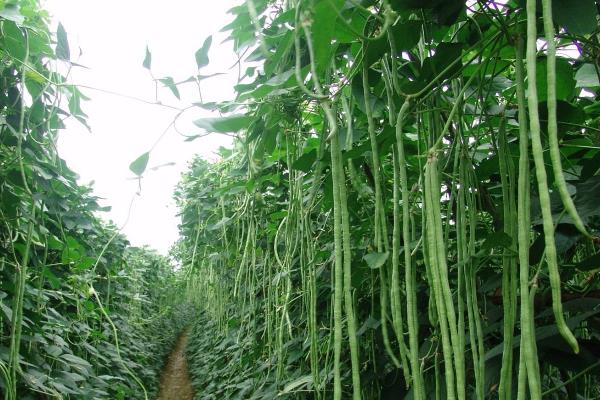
point(82, 314)
point(410, 208)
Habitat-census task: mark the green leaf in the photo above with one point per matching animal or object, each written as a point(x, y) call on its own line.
point(6, 310)
point(323, 31)
point(62, 388)
point(147, 59)
point(577, 17)
point(282, 47)
point(296, 384)
point(589, 263)
point(54, 351)
point(139, 165)
point(586, 199)
point(62, 45)
point(75, 107)
point(304, 162)
point(11, 13)
point(13, 40)
point(282, 81)
point(443, 64)
point(73, 359)
point(357, 19)
point(446, 54)
point(497, 239)
point(406, 35)
point(587, 76)
point(444, 11)
point(565, 83)
point(370, 323)
point(170, 83)
point(374, 50)
point(72, 252)
point(52, 278)
point(220, 224)
point(376, 260)
point(202, 53)
point(378, 106)
point(85, 263)
point(232, 123)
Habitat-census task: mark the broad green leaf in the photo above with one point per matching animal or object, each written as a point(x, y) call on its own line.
point(370, 323)
point(406, 35)
point(590, 263)
point(376, 260)
point(147, 59)
point(233, 188)
point(323, 31)
point(6, 310)
point(139, 165)
point(54, 243)
point(202, 53)
point(296, 384)
point(51, 277)
point(357, 19)
point(443, 64)
point(443, 11)
point(232, 123)
point(85, 263)
point(497, 239)
point(376, 49)
point(565, 83)
point(569, 117)
point(76, 360)
point(61, 388)
point(72, 378)
point(587, 76)
point(11, 12)
point(75, 103)
point(34, 75)
point(267, 141)
point(578, 17)
point(304, 162)
point(220, 224)
point(378, 106)
point(62, 45)
point(13, 40)
point(73, 251)
point(269, 88)
point(54, 351)
point(282, 47)
point(590, 167)
point(586, 199)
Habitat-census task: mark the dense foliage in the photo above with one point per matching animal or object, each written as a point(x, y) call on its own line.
point(82, 314)
point(410, 209)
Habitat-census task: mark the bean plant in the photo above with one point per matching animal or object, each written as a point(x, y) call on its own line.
point(409, 208)
point(83, 315)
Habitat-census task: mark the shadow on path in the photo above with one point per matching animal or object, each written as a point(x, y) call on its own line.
point(175, 381)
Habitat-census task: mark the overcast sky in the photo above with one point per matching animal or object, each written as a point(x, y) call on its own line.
point(112, 36)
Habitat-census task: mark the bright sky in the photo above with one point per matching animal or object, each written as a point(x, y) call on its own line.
point(112, 36)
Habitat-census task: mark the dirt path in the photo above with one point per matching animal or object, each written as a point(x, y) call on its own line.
point(175, 381)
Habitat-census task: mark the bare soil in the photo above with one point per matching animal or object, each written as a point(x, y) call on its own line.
point(175, 382)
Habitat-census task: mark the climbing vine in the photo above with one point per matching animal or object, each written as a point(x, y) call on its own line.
point(82, 314)
point(408, 209)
